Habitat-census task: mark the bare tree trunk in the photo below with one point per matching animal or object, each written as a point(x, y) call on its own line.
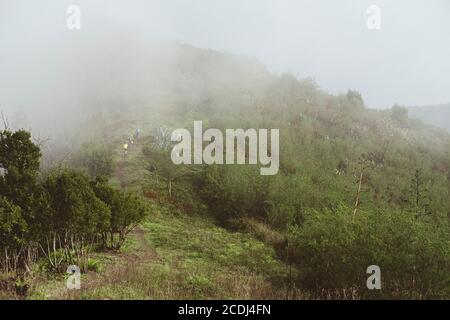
point(169, 187)
point(6, 261)
point(5, 121)
point(358, 193)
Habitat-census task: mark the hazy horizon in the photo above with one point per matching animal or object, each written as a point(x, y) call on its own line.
point(244, 150)
point(404, 62)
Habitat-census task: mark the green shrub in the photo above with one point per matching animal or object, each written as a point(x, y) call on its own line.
point(333, 250)
point(234, 192)
point(93, 265)
point(97, 160)
point(126, 211)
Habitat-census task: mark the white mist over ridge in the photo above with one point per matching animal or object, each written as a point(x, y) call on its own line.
point(53, 78)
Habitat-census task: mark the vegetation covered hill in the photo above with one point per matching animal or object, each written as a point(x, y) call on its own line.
point(356, 187)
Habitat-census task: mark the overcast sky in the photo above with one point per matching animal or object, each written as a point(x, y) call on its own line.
point(407, 61)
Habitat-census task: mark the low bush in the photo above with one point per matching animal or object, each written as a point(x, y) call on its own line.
point(333, 248)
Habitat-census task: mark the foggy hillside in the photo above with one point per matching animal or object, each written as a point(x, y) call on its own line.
point(65, 81)
point(91, 182)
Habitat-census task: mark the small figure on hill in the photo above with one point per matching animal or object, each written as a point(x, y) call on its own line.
point(125, 149)
point(131, 140)
point(137, 133)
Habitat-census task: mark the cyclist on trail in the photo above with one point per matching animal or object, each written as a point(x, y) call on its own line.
point(137, 133)
point(125, 149)
point(131, 140)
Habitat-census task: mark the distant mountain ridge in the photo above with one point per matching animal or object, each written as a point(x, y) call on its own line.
point(437, 115)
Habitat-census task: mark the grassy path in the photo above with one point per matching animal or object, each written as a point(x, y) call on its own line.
point(140, 253)
point(173, 255)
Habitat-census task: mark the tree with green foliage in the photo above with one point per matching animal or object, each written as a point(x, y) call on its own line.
point(19, 158)
point(158, 155)
point(419, 191)
point(399, 115)
point(13, 229)
point(97, 159)
point(60, 215)
point(127, 211)
point(333, 250)
point(355, 99)
point(76, 208)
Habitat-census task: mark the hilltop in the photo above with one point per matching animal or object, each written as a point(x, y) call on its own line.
point(343, 167)
point(355, 187)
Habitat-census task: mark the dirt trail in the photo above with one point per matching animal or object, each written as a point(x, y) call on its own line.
point(148, 253)
point(116, 271)
point(120, 174)
point(124, 262)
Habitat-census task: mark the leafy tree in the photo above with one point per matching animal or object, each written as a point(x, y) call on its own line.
point(419, 192)
point(355, 99)
point(400, 115)
point(160, 163)
point(12, 225)
point(127, 211)
point(333, 250)
point(13, 229)
point(365, 162)
point(19, 158)
point(234, 192)
point(96, 159)
point(75, 207)
point(61, 214)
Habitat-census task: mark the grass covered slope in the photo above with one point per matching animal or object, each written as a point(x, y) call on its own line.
point(356, 187)
point(196, 260)
point(181, 257)
point(329, 146)
point(172, 254)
